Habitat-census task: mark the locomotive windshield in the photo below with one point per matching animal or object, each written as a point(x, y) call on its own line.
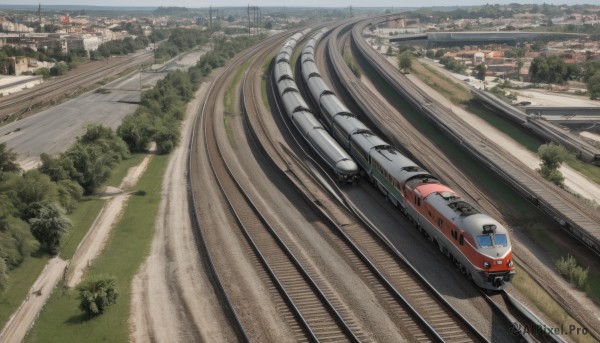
point(485, 241)
point(489, 241)
point(501, 240)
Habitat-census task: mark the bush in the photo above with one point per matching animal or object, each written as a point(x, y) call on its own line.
point(568, 267)
point(3, 275)
point(97, 293)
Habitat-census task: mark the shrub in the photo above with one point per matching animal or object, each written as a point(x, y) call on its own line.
point(568, 267)
point(97, 293)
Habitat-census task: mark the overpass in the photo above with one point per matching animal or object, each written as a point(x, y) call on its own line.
point(481, 37)
point(566, 115)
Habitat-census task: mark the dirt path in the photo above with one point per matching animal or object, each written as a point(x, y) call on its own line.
point(173, 299)
point(20, 322)
point(87, 251)
point(95, 239)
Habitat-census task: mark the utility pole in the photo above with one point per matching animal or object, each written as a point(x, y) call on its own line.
point(210, 19)
point(40, 17)
point(248, 20)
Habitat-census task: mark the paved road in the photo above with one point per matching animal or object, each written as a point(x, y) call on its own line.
point(55, 129)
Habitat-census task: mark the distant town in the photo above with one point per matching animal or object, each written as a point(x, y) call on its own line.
point(37, 43)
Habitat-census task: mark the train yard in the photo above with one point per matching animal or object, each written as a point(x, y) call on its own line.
point(285, 268)
point(303, 242)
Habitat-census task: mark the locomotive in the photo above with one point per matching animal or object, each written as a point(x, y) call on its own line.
point(477, 243)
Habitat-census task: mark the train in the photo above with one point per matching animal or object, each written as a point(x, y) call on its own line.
point(309, 127)
point(478, 244)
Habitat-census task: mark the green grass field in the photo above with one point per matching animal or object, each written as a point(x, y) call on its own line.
point(128, 245)
point(82, 219)
point(23, 277)
point(121, 169)
point(20, 281)
point(538, 296)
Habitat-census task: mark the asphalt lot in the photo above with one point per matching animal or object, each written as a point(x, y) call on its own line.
point(54, 130)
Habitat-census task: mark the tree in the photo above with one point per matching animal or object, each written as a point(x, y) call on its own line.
point(59, 69)
point(8, 160)
point(3, 275)
point(45, 72)
point(390, 51)
point(48, 226)
point(405, 61)
point(34, 187)
point(97, 293)
point(69, 194)
point(552, 156)
point(593, 86)
point(430, 54)
point(439, 53)
point(480, 71)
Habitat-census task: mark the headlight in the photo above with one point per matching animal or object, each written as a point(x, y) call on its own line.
point(486, 264)
point(509, 263)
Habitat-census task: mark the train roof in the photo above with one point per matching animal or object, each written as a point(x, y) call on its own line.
point(312, 43)
point(367, 140)
point(398, 166)
point(293, 102)
point(307, 56)
point(350, 124)
point(306, 122)
point(317, 87)
point(282, 70)
point(333, 105)
point(470, 220)
point(309, 69)
point(328, 146)
point(282, 57)
point(286, 85)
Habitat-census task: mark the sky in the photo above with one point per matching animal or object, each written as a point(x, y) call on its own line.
point(266, 3)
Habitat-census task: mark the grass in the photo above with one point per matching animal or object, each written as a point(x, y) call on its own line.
point(128, 245)
point(19, 283)
point(228, 101)
point(590, 171)
point(82, 218)
point(520, 213)
point(263, 83)
point(22, 278)
point(450, 89)
point(121, 170)
point(538, 296)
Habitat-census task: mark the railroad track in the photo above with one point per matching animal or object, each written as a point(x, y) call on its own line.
point(335, 46)
point(316, 314)
point(22, 102)
point(423, 313)
point(522, 316)
point(577, 218)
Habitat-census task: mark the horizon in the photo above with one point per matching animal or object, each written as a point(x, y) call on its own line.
point(277, 3)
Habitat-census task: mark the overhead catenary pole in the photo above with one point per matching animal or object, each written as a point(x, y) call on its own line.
point(40, 17)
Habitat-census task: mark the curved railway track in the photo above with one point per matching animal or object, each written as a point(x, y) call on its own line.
point(22, 102)
point(577, 218)
point(368, 102)
point(503, 305)
point(308, 306)
point(422, 311)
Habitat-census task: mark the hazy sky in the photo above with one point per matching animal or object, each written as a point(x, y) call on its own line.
point(315, 3)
